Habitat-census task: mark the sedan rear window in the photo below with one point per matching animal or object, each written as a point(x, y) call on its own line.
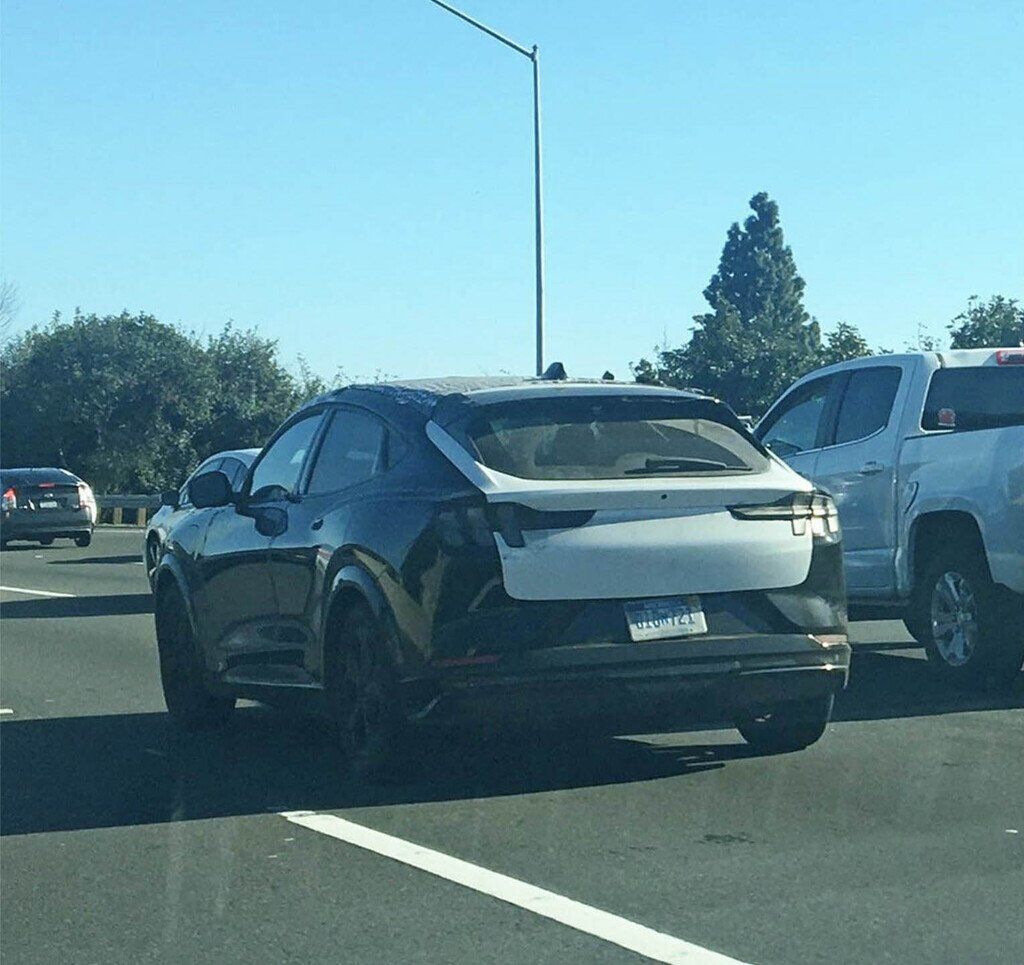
point(609, 437)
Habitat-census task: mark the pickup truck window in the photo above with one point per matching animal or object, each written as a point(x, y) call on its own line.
point(795, 424)
point(867, 402)
point(974, 398)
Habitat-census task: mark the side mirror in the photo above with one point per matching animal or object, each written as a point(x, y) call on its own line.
point(169, 497)
point(210, 489)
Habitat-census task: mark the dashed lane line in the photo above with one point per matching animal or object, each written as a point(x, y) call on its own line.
point(611, 928)
point(21, 589)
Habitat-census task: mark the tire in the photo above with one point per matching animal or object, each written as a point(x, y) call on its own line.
point(46, 541)
point(363, 696)
point(789, 726)
point(83, 539)
point(189, 702)
point(971, 627)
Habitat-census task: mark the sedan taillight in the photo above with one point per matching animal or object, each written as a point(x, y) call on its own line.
point(10, 500)
point(87, 500)
point(814, 509)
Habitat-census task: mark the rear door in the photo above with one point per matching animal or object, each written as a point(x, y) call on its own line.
point(857, 468)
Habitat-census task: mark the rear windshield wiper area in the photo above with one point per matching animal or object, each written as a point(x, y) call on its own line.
point(655, 466)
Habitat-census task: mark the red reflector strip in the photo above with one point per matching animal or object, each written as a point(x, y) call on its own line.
point(1010, 356)
point(468, 661)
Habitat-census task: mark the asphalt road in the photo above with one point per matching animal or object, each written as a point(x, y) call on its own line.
point(898, 838)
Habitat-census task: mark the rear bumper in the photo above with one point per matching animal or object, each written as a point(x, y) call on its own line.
point(28, 524)
point(633, 685)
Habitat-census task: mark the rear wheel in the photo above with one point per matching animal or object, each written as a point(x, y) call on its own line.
point(363, 694)
point(971, 628)
point(188, 700)
point(83, 539)
point(789, 726)
point(46, 541)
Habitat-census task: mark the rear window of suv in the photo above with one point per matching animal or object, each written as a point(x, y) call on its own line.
point(609, 437)
point(984, 397)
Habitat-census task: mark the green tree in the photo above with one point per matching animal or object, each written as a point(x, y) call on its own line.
point(758, 337)
point(997, 322)
point(844, 342)
point(131, 404)
point(116, 399)
point(250, 392)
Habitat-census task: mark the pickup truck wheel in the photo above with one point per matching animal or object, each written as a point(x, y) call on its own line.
point(364, 698)
point(789, 726)
point(971, 635)
point(189, 702)
point(83, 539)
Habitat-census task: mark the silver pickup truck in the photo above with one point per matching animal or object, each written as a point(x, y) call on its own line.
point(924, 455)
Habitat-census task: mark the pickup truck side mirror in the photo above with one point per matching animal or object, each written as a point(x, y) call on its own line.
point(210, 489)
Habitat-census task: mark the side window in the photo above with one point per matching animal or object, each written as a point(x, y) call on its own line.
point(867, 402)
point(795, 423)
point(280, 465)
point(234, 469)
point(353, 450)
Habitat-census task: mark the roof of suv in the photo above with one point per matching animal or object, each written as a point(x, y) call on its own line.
point(424, 395)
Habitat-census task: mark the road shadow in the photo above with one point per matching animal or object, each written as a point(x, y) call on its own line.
point(71, 773)
point(114, 604)
point(125, 558)
point(885, 685)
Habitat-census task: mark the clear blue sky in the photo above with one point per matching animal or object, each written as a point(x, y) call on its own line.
point(355, 178)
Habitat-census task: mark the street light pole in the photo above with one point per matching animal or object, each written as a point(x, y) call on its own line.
point(534, 56)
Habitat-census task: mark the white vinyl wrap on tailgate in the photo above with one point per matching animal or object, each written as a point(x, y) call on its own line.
point(652, 536)
point(614, 556)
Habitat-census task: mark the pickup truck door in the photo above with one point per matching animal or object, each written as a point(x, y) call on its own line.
point(794, 427)
point(857, 468)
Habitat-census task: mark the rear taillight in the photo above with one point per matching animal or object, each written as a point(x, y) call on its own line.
point(803, 509)
point(47, 486)
point(474, 524)
point(9, 500)
point(86, 500)
point(1010, 356)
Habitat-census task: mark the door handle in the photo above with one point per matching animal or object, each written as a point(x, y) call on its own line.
point(871, 468)
point(317, 523)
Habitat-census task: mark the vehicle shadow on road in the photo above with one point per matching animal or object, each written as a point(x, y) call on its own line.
point(114, 604)
point(73, 773)
point(122, 560)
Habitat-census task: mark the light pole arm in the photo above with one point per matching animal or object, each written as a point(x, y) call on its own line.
point(487, 30)
point(534, 57)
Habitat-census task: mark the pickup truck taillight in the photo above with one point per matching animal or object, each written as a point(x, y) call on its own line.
point(9, 500)
point(1010, 356)
point(803, 509)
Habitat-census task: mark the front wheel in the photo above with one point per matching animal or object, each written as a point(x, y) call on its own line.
point(789, 726)
point(188, 700)
point(46, 541)
point(363, 695)
point(83, 539)
point(972, 634)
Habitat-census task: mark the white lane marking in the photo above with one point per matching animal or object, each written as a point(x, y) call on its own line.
point(5, 710)
point(592, 921)
point(21, 589)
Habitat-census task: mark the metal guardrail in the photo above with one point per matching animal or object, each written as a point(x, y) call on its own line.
point(112, 508)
